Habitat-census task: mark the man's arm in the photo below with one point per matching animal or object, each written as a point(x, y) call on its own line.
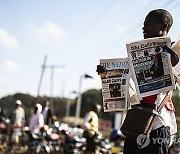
point(175, 63)
point(132, 97)
point(174, 56)
point(23, 118)
point(87, 119)
point(41, 121)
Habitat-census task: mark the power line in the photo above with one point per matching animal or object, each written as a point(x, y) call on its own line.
point(96, 19)
point(169, 4)
point(92, 24)
point(52, 67)
point(119, 39)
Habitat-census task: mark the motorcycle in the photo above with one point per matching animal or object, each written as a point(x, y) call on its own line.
point(97, 144)
point(37, 144)
point(17, 139)
point(4, 125)
point(74, 144)
point(46, 141)
point(117, 140)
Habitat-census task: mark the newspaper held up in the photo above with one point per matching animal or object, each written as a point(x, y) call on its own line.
point(114, 84)
point(150, 66)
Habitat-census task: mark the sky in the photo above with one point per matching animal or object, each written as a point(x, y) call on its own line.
point(74, 35)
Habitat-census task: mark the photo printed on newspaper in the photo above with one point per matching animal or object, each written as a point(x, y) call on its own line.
point(150, 66)
point(114, 84)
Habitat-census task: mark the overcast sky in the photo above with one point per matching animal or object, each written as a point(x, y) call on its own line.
point(71, 33)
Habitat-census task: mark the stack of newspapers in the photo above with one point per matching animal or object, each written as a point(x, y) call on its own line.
point(147, 64)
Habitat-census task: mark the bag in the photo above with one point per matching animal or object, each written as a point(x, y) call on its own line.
point(141, 119)
point(138, 120)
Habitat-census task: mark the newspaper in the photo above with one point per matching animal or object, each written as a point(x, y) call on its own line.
point(114, 84)
point(150, 66)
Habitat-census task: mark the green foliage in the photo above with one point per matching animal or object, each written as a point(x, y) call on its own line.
point(89, 97)
point(8, 103)
point(92, 96)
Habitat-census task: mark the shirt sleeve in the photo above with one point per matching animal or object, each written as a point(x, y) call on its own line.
point(86, 121)
point(41, 120)
point(132, 97)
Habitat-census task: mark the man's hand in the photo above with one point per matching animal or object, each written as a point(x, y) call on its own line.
point(174, 56)
point(100, 69)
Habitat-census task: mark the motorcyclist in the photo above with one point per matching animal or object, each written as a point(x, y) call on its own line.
point(18, 117)
point(2, 116)
point(91, 127)
point(37, 120)
point(47, 114)
point(18, 123)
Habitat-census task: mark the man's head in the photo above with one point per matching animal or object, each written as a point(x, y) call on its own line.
point(157, 23)
point(96, 108)
point(47, 103)
point(18, 103)
point(37, 108)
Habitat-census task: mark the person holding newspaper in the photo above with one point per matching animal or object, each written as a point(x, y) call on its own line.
point(157, 24)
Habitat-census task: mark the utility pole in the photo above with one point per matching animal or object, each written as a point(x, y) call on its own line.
point(78, 106)
point(41, 76)
point(68, 104)
point(52, 67)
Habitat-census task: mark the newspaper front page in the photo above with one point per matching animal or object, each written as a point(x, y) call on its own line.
point(114, 84)
point(150, 66)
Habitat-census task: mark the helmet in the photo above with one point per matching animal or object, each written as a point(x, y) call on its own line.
point(39, 107)
point(116, 134)
point(96, 107)
point(18, 102)
point(47, 103)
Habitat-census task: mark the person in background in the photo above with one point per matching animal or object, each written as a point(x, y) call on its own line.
point(18, 116)
point(17, 127)
point(37, 120)
point(2, 115)
point(55, 123)
point(47, 114)
point(91, 126)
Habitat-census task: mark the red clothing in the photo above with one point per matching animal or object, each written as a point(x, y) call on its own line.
point(151, 99)
point(169, 104)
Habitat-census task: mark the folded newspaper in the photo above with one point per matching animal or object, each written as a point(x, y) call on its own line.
point(114, 84)
point(150, 66)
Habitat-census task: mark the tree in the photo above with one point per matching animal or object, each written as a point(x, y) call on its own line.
point(88, 98)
